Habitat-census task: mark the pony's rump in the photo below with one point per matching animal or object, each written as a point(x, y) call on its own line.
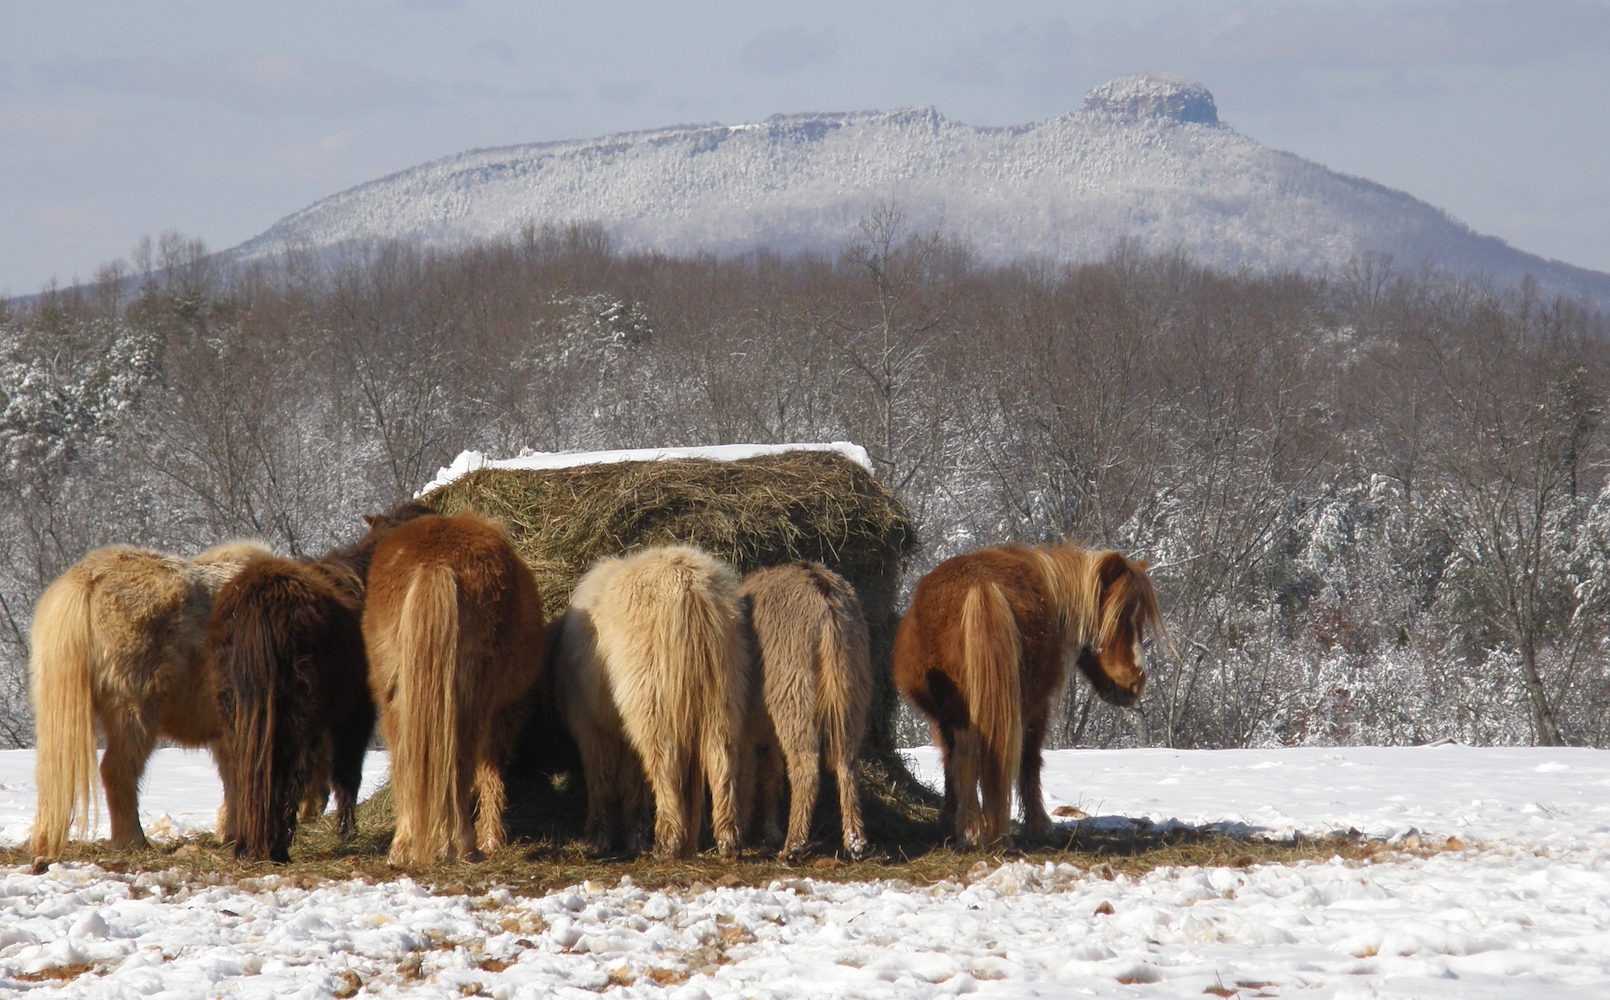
point(454, 631)
point(811, 654)
point(655, 633)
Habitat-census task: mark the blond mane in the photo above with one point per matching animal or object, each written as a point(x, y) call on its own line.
point(1087, 616)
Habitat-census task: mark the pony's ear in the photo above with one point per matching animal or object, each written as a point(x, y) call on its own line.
point(1112, 567)
point(1144, 564)
point(371, 519)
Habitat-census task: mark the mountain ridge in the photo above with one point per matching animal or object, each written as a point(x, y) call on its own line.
point(1146, 162)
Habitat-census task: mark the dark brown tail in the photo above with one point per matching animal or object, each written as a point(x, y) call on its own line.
point(264, 694)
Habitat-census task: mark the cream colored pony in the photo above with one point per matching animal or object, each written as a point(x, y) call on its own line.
point(120, 640)
point(815, 674)
point(649, 656)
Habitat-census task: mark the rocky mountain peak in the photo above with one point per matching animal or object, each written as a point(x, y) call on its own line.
point(1148, 96)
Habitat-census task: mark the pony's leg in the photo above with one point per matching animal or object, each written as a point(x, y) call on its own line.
point(229, 808)
point(1036, 823)
point(720, 770)
point(348, 742)
point(490, 834)
point(666, 768)
point(600, 770)
point(855, 842)
point(316, 793)
point(401, 854)
point(945, 740)
point(129, 743)
point(964, 772)
point(635, 803)
point(460, 845)
point(804, 771)
point(496, 748)
point(769, 793)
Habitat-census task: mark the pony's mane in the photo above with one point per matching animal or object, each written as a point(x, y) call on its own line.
point(1086, 616)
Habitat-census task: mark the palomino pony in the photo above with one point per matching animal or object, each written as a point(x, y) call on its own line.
point(985, 646)
point(119, 640)
point(286, 647)
point(649, 655)
point(811, 652)
point(454, 632)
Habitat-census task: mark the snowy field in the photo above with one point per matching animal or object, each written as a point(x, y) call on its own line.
point(1520, 909)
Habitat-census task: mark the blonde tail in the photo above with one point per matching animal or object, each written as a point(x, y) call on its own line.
point(427, 783)
point(991, 648)
point(61, 673)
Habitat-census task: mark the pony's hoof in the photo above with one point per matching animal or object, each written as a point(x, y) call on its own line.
point(858, 849)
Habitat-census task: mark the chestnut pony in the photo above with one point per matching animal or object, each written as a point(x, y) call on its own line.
point(287, 656)
point(985, 646)
point(454, 632)
point(119, 641)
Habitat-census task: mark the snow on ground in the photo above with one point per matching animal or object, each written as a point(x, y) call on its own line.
point(1523, 910)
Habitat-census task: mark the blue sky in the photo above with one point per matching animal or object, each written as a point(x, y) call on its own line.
point(123, 120)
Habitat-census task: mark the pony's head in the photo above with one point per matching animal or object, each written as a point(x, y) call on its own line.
point(1126, 606)
point(381, 525)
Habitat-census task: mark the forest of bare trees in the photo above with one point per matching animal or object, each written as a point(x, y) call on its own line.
point(1375, 504)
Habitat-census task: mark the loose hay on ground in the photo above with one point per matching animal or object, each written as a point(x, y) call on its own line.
point(538, 869)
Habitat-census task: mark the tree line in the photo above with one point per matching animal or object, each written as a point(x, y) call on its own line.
point(1375, 502)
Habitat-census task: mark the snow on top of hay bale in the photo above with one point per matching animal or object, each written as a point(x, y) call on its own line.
point(469, 461)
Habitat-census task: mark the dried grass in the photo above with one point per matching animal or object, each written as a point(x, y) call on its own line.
point(537, 867)
point(753, 512)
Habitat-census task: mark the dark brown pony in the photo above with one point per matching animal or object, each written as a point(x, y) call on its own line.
point(453, 627)
point(286, 649)
point(985, 646)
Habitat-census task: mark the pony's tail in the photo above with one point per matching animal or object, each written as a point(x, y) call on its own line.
point(425, 774)
point(702, 624)
point(991, 648)
point(844, 680)
point(61, 667)
point(256, 679)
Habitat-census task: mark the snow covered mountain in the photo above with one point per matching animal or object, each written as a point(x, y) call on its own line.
point(1146, 159)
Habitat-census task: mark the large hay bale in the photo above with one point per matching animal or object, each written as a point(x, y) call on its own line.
point(754, 512)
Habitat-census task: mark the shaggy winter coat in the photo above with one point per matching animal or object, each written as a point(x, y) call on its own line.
point(119, 640)
point(810, 648)
point(652, 683)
